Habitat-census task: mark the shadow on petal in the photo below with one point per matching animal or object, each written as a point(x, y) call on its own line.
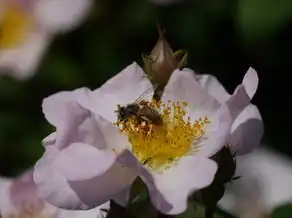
point(129, 159)
point(247, 136)
point(99, 189)
point(157, 198)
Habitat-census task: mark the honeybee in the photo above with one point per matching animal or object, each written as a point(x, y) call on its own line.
point(141, 110)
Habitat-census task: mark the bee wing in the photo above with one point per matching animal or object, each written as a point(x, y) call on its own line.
point(147, 94)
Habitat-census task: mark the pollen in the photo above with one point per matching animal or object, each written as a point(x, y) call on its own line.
point(158, 147)
point(14, 24)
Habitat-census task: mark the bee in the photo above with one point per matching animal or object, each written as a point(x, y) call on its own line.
point(141, 110)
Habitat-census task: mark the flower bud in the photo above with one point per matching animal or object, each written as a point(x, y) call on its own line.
point(161, 62)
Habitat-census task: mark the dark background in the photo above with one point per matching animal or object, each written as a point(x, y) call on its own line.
point(222, 37)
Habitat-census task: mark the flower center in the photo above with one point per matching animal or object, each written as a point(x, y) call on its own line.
point(14, 24)
point(159, 146)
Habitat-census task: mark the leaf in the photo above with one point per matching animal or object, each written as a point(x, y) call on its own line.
point(195, 212)
point(139, 191)
point(283, 211)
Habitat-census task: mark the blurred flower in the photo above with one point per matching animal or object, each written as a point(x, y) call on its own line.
point(19, 199)
point(265, 183)
point(28, 26)
point(88, 161)
point(247, 129)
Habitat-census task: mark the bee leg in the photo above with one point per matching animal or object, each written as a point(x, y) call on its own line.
point(144, 118)
point(147, 160)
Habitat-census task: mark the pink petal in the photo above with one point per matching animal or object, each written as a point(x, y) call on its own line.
point(124, 88)
point(74, 123)
point(72, 159)
point(52, 185)
point(243, 93)
point(81, 183)
point(23, 192)
point(18, 194)
point(112, 136)
point(6, 205)
point(210, 84)
point(55, 107)
point(183, 86)
point(247, 130)
point(265, 183)
point(170, 189)
point(50, 139)
point(250, 82)
point(22, 61)
point(61, 15)
point(217, 132)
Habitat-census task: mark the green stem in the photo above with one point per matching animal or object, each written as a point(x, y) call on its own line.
point(223, 213)
point(209, 212)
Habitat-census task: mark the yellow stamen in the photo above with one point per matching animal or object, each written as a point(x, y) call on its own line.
point(14, 24)
point(159, 146)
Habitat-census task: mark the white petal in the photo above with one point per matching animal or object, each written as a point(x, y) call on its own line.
point(49, 211)
point(14, 193)
point(22, 61)
point(61, 15)
point(76, 124)
point(73, 122)
point(84, 193)
point(217, 132)
point(77, 127)
point(55, 107)
point(265, 183)
point(250, 82)
point(124, 88)
point(247, 130)
point(112, 136)
point(24, 191)
point(52, 185)
point(170, 189)
point(243, 94)
point(71, 161)
point(183, 86)
point(6, 205)
point(213, 87)
point(235, 105)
